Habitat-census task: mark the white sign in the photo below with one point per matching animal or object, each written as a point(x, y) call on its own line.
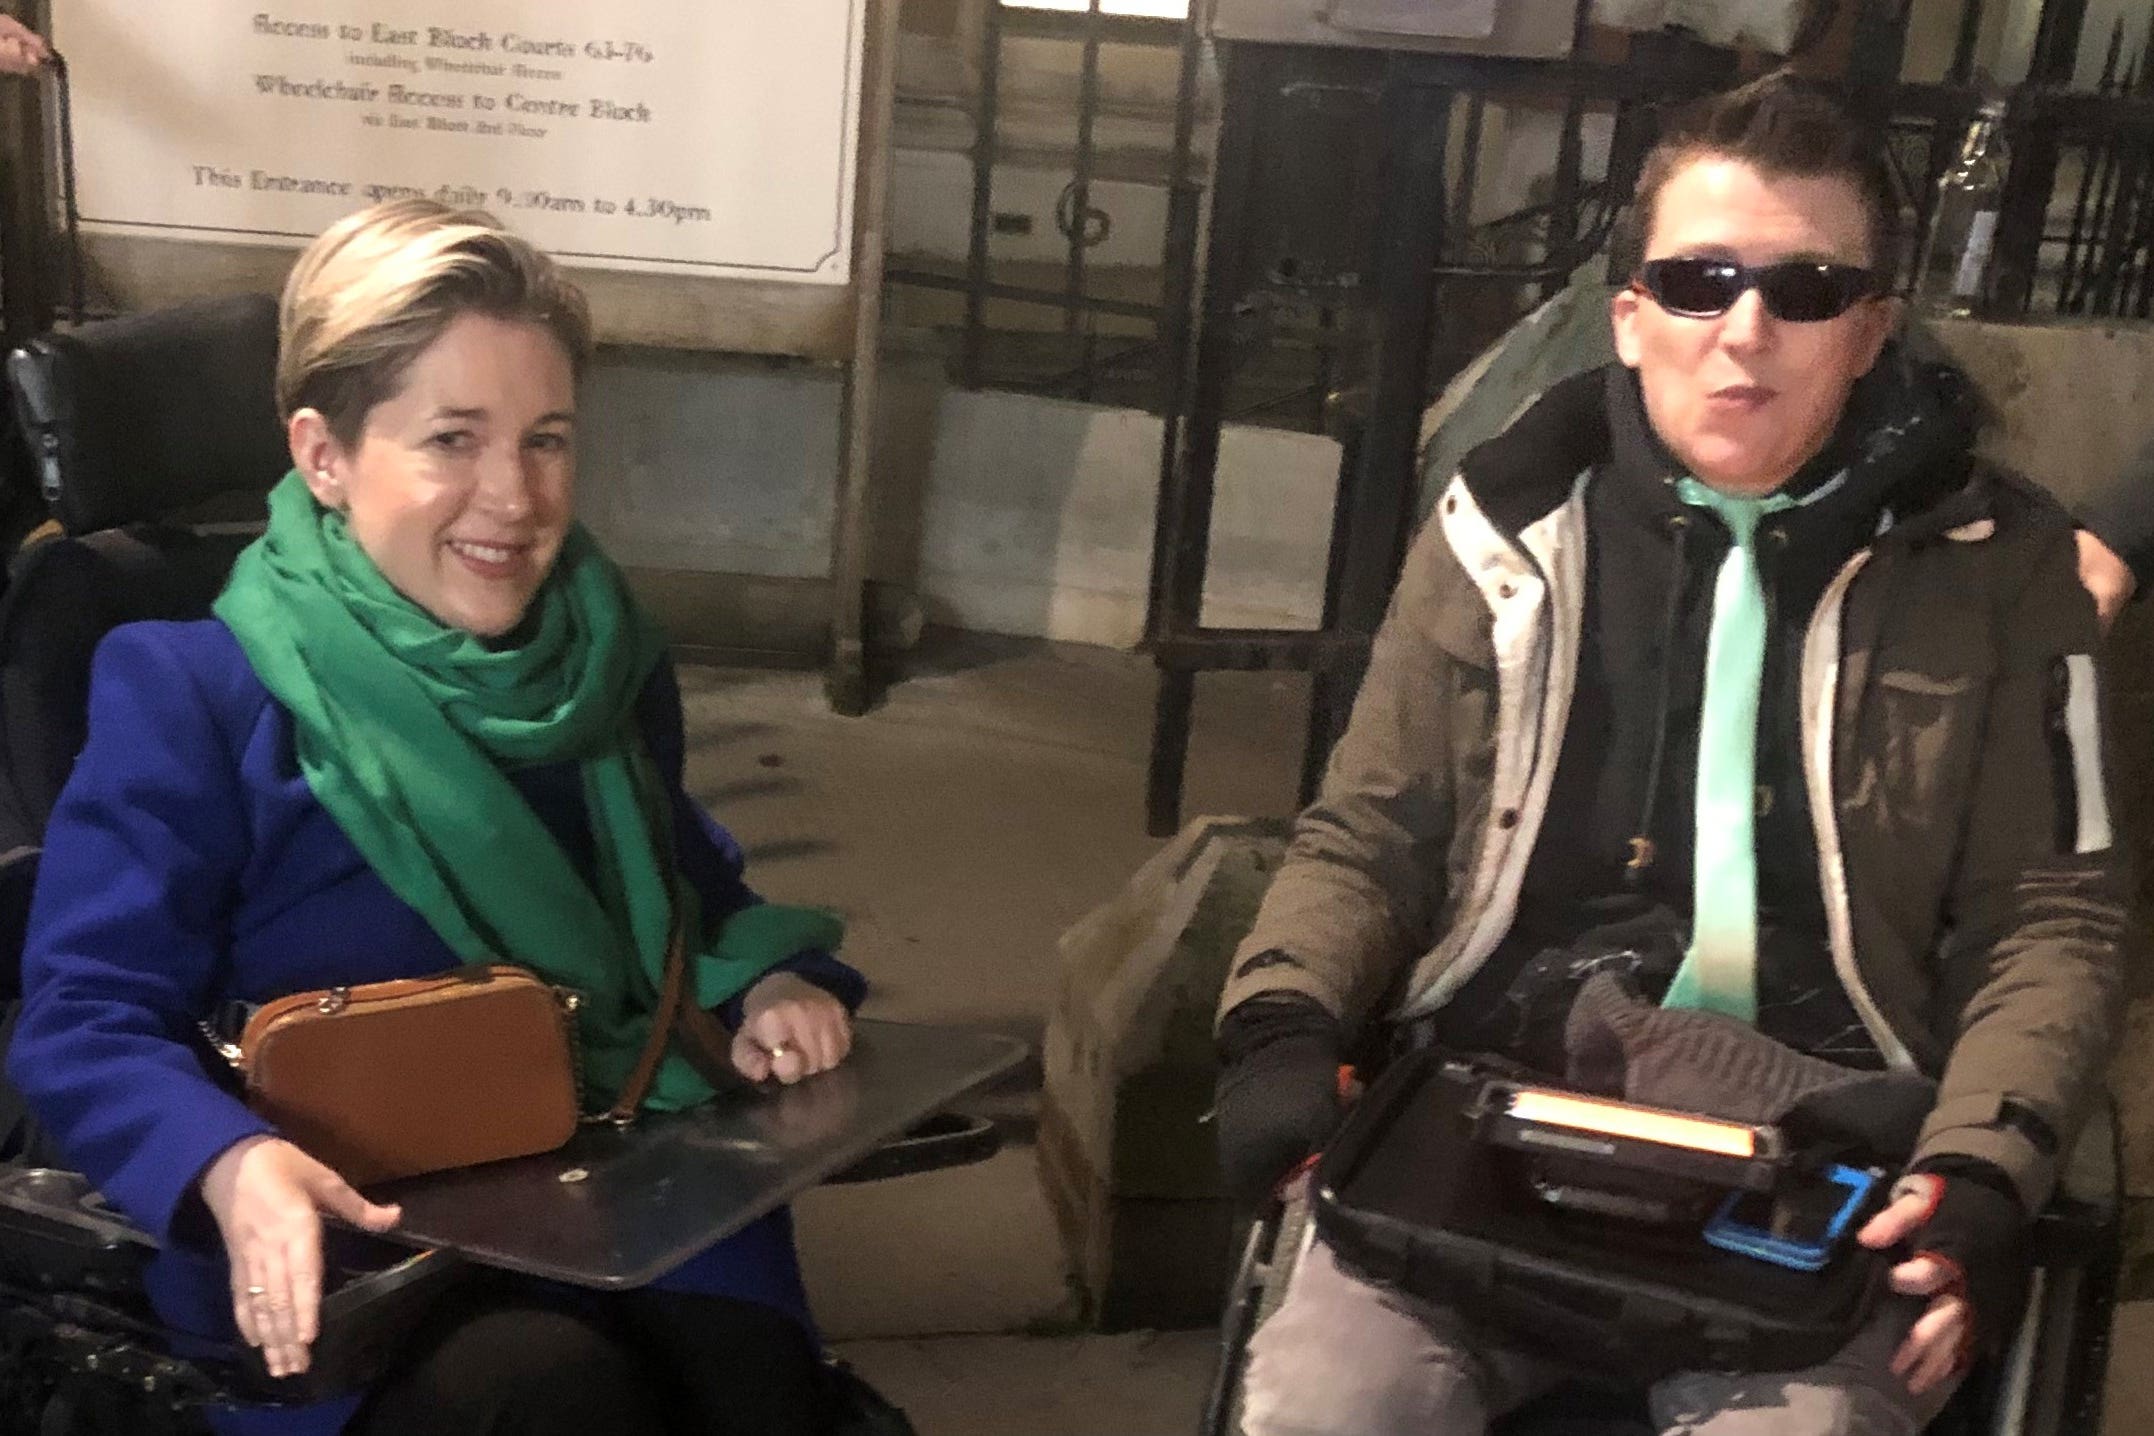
point(713, 137)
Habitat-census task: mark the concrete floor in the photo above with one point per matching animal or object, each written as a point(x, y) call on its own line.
point(993, 798)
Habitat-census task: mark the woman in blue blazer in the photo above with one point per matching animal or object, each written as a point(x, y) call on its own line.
point(427, 726)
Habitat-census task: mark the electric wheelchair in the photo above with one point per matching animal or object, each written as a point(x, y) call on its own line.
point(153, 441)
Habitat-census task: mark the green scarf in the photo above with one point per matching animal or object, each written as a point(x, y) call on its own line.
point(404, 729)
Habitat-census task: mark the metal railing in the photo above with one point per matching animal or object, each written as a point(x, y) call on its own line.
point(1082, 225)
point(2102, 261)
point(1347, 315)
point(1417, 320)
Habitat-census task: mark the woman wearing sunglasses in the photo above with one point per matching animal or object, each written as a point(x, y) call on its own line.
point(1729, 672)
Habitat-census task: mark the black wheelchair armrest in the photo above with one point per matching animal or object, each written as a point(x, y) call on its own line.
point(2070, 1231)
point(73, 1265)
point(2049, 1381)
point(947, 1139)
point(2081, 1222)
point(364, 1320)
point(56, 1234)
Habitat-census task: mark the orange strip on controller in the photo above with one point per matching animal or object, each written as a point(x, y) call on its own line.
point(1611, 1119)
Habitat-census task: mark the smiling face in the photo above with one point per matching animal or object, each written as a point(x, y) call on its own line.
point(1744, 400)
point(460, 486)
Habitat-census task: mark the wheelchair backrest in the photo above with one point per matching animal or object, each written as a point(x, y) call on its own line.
point(152, 415)
point(137, 427)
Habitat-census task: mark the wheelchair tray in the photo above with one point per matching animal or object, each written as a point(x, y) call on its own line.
point(616, 1209)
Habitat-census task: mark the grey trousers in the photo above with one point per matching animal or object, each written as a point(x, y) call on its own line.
point(1346, 1357)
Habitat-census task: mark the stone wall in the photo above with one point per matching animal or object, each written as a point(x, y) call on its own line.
point(1126, 1153)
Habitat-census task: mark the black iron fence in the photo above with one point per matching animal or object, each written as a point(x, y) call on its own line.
point(1294, 343)
point(2075, 234)
point(1346, 273)
point(2101, 260)
point(1087, 363)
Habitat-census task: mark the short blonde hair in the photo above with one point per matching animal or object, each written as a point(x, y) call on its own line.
point(378, 287)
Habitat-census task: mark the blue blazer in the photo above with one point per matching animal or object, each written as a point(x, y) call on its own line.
point(187, 862)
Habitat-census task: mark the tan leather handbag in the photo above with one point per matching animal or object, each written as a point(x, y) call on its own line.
point(479, 1064)
point(391, 1079)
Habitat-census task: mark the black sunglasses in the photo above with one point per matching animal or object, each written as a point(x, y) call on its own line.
point(1797, 290)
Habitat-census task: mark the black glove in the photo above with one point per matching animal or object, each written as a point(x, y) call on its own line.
point(1979, 1229)
point(1278, 1095)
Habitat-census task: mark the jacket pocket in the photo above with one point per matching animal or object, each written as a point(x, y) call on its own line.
point(1928, 739)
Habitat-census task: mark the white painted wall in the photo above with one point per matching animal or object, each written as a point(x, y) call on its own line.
point(720, 465)
point(1008, 513)
point(1017, 514)
point(1037, 519)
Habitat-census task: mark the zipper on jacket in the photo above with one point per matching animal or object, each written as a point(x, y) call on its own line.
point(1642, 851)
point(1535, 726)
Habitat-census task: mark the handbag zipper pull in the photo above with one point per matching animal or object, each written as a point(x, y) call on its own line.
point(333, 1001)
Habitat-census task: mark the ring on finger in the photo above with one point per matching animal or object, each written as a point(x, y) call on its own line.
point(257, 1292)
point(778, 1049)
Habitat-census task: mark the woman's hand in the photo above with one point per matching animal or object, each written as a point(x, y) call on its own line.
point(790, 1029)
point(267, 1197)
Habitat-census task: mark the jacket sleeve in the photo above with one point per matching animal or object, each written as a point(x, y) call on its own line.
point(2038, 912)
point(1355, 898)
point(128, 935)
point(710, 858)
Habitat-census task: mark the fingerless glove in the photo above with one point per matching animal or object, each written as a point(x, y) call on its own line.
point(1978, 1228)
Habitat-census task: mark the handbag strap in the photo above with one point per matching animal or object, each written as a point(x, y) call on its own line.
point(672, 1003)
point(703, 1039)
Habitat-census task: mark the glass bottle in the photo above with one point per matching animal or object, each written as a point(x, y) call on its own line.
point(1954, 274)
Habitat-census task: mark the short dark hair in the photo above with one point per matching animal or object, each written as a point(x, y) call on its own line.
point(1784, 128)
